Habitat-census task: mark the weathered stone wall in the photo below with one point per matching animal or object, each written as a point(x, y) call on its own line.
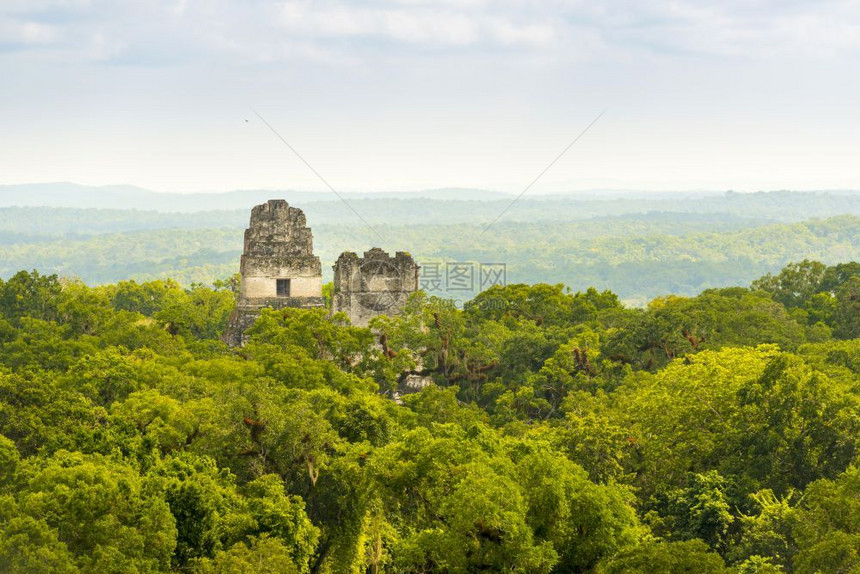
point(373, 285)
point(278, 245)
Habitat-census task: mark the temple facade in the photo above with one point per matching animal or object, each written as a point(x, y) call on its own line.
point(278, 266)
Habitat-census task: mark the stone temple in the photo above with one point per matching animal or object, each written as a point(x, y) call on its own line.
point(279, 269)
point(278, 266)
point(373, 285)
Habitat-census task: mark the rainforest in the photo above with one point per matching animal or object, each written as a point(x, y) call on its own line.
point(559, 431)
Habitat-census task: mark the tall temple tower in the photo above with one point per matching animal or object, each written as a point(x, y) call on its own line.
point(278, 267)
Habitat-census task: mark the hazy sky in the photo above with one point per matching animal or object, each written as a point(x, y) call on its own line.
point(736, 94)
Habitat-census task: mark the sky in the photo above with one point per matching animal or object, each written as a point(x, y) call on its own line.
point(410, 94)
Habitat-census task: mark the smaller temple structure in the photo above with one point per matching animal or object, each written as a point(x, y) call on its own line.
point(278, 266)
point(373, 285)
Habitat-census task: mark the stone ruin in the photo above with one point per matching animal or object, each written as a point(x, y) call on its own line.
point(279, 269)
point(373, 285)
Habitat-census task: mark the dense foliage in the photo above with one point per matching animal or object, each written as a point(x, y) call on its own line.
point(559, 431)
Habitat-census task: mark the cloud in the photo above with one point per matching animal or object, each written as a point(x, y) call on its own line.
point(27, 34)
point(410, 23)
point(270, 30)
point(735, 28)
point(535, 34)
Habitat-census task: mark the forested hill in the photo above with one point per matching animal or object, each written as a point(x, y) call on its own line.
point(638, 256)
point(438, 206)
point(72, 195)
point(561, 432)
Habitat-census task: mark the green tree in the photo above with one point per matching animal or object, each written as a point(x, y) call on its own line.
point(795, 284)
point(101, 510)
point(9, 459)
point(212, 513)
point(768, 531)
point(666, 557)
point(146, 298)
point(846, 315)
point(262, 555)
point(29, 546)
point(199, 312)
point(453, 497)
point(30, 295)
point(827, 525)
point(585, 522)
point(700, 510)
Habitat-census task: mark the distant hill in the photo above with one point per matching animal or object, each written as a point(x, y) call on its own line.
point(66, 194)
point(641, 244)
point(638, 256)
point(129, 208)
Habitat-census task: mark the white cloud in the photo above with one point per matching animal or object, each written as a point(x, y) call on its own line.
point(535, 34)
point(268, 29)
point(735, 28)
point(24, 34)
point(34, 33)
point(408, 24)
point(440, 28)
point(105, 48)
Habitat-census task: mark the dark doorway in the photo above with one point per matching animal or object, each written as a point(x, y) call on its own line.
point(283, 287)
